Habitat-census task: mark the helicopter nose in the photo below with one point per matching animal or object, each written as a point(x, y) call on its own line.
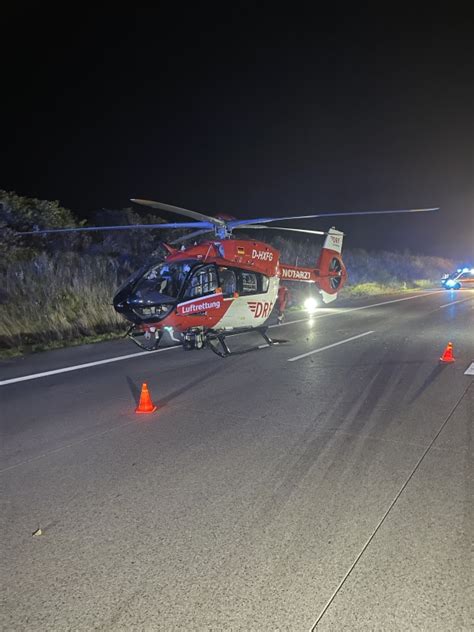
point(141, 306)
point(121, 305)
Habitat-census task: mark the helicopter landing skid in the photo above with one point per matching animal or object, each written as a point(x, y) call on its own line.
point(226, 352)
point(152, 340)
point(225, 349)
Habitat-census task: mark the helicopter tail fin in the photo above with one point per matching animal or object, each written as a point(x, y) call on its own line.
point(330, 269)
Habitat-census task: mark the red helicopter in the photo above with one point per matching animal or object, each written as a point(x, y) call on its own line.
point(220, 286)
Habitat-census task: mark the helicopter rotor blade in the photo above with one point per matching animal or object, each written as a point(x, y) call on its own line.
point(293, 230)
point(263, 220)
point(87, 229)
point(212, 222)
point(180, 240)
point(180, 211)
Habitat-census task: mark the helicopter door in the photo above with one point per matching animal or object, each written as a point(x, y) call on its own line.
point(227, 281)
point(202, 282)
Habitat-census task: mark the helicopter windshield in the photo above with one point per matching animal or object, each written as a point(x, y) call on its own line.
point(163, 280)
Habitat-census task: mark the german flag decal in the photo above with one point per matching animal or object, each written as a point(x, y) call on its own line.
point(240, 251)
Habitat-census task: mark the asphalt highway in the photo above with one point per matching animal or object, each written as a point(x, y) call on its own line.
point(324, 483)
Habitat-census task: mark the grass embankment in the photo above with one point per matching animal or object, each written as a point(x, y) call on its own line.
point(55, 302)
point(372, 289)
point(66, 299)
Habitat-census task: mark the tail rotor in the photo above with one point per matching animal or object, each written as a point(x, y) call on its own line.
point(331, 272)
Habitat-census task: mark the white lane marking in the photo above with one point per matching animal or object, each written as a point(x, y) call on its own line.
point(66, 369)
point(293, 322)
point(342, 311)
point(470, 369)
point(88, 365)
point(396, 300)
point(335, 344)
point(454, 302)
point(385, 515)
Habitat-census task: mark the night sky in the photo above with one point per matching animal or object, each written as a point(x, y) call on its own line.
point(248, 116)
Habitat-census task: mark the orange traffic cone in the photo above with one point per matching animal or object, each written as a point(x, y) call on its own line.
point(448, 353)
point(145, 405)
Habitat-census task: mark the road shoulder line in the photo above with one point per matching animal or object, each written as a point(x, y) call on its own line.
point(77, 367)
point(335, 344)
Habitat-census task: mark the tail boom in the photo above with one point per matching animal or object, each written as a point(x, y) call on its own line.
point(330, 273)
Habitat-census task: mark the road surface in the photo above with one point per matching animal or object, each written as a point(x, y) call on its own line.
point(324, 483)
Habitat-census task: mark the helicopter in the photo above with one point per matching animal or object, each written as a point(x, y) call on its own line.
point(221, 286)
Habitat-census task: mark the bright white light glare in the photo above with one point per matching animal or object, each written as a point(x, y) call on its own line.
point(311, 305)
point(472, 271)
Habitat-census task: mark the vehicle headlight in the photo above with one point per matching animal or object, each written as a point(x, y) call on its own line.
point(310, 305)
point(450, 283)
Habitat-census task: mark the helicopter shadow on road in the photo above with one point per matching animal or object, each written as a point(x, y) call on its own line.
point(433, 375)
point(135, 389)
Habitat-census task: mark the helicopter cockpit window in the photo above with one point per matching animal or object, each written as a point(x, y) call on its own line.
point(249, 283)
point(252, 283)
point(163, 279)
point(227, 281)
point(202, 282)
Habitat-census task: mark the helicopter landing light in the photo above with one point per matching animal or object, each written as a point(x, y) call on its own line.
point(311, 305)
